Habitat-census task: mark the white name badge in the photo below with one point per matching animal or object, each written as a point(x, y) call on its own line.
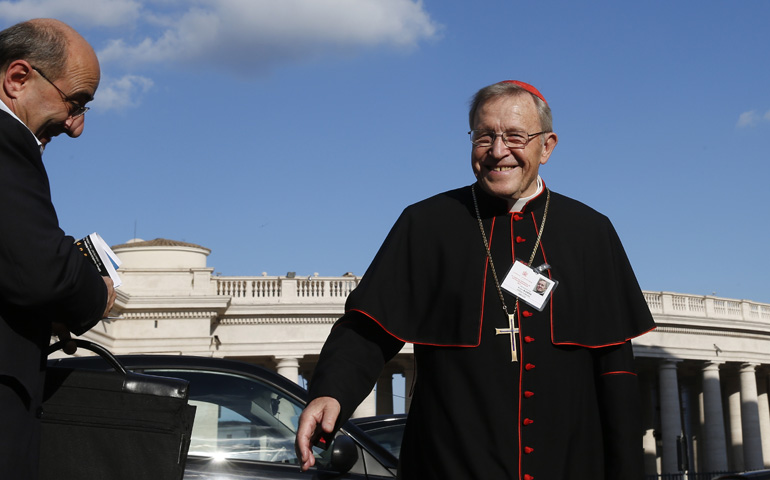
point(528, 285)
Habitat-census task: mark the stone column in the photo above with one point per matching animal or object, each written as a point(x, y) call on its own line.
point(715, 449)
point(649, 396)
point(368, 407)
point(735, 444)
point(752, 439)
point(385, 393)
point(408, 384)
point(764, 415)
point(670, 416)
point(288, 367)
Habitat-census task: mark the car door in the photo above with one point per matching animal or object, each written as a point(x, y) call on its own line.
point(245, 428)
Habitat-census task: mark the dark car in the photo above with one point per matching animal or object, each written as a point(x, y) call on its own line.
point(755, 475)
point(245, 422)
point(387, 430)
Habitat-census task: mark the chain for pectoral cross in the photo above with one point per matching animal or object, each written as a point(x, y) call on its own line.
point(511, 330)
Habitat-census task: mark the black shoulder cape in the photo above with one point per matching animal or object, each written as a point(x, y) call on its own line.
point(427, 283)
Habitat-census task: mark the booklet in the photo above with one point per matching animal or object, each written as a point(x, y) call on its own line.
point(101, 255)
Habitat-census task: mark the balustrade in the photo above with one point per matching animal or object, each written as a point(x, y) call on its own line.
point(705, 306)
point(263, 290)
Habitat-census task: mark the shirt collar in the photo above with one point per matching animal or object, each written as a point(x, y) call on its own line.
point(5, 108)
point(522, 202)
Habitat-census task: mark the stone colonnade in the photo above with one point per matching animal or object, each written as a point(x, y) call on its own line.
point(380, 401)
point(706, 416)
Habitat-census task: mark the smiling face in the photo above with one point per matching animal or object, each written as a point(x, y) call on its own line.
point(42, 93)
point(510, 173)
point(79, 82)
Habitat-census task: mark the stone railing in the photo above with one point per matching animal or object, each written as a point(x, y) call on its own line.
point(266, 290)
point(678, 304)
point(308, 290)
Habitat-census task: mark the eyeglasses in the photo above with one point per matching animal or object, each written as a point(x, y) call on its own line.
point(75, 109)
point(485, 138)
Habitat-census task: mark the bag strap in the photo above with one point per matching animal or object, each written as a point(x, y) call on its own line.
point(93, 347)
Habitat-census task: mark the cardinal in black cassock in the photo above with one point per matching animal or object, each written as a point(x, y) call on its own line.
point(507, 386)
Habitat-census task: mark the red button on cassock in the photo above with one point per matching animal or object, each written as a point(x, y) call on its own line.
point(529, 394)
point(517, 217)
point(528, 421)
point(520, 239)
point(529, 339)
point(527, 313)
point(528, 449)
point(528, 477)
point(529, 366)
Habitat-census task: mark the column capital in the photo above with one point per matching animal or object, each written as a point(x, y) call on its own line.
point(287, 357)
point(669, 363)
point(749, 367)
point(712, 364)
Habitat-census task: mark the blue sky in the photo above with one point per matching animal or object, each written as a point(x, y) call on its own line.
point(288, 135)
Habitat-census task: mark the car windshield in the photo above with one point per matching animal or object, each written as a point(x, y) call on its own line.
point(240, 418)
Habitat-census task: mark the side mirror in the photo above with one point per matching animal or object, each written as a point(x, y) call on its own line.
point(344, 453)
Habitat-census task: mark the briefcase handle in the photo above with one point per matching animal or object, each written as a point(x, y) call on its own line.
point(93, 347)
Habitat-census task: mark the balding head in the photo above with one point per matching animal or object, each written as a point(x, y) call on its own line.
point(42, 61)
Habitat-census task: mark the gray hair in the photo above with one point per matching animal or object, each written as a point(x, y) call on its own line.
point(505, 89)
point(42, 45)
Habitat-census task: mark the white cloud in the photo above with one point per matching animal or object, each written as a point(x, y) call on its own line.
point(748, 119)
point(241, 36)
point(103, 13)
point(752, 118)
point(120, 93)
point(255, 35)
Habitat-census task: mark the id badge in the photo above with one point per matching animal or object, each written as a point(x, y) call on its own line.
point(529, 285)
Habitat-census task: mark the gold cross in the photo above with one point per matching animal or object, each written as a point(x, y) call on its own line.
point(512, 332)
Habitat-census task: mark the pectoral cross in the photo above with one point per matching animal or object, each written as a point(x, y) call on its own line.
point(512, 332)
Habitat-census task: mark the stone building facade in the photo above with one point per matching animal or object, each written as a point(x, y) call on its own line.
point(704, 371)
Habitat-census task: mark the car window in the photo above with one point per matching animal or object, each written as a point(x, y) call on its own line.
point(389, 436)
point(240, 417)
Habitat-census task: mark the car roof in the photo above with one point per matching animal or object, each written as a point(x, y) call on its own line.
point(153, 361)
point(380, 420)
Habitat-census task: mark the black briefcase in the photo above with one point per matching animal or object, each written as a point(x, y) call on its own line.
point(113, 425)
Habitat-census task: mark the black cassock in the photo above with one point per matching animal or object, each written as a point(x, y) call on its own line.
point(567, 409)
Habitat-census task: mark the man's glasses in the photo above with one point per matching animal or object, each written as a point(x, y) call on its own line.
point(485, 138)
point(75, 108)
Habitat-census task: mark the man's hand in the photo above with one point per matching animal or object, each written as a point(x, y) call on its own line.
point(111, 296)
point(319, 417)
point(61, 331)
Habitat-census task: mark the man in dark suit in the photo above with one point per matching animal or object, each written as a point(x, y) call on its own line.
point(48, 73)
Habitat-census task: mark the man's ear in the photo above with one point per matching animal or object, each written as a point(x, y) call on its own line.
point(16, 77)
point(551, 139)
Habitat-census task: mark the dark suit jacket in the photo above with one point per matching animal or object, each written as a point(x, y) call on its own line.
point(43, 277)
